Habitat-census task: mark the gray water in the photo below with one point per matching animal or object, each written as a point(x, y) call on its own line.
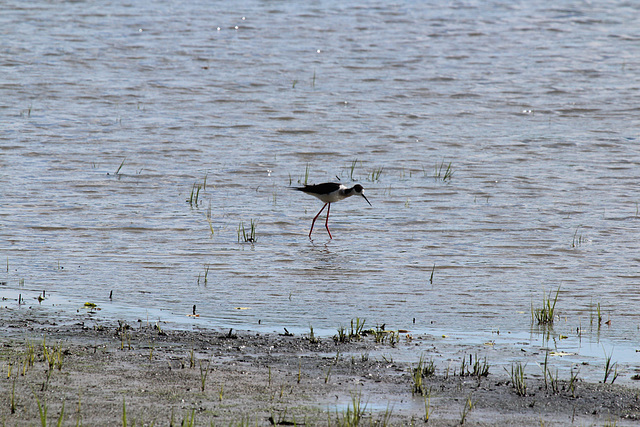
point(535, 105)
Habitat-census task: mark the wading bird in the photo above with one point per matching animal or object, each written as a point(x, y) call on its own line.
point(330, 192)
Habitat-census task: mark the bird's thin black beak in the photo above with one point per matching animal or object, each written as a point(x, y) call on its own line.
point(365, 197)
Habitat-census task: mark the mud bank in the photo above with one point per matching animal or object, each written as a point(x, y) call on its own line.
point(102, 371)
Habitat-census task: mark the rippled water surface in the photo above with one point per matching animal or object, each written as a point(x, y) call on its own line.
point(111, 113)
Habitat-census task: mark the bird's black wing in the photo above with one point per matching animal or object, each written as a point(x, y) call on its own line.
point(325, 188)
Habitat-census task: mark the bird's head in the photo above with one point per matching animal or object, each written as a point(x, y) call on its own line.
point(357, 189)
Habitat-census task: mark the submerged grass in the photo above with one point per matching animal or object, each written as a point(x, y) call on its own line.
point(195, 194)
point(250, 236)
point(443, 173)
point(375, 174)
point(120, 167)
point(305, 180)
point(577, 239)
point(546, 314)
point(597, 315)
point(354, 163)
point(209, 220)
point(194, 198)
point(306, 174)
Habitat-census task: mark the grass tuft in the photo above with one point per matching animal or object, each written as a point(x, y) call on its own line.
point(382, 336)
point(13, 396)
point(354, 163)
point(42, 410)
point(355, 332)
point(203, 374)
point(124, 412)
point(250, 236)
point(428, 410)
point(304, 181)
point(480, 368)
point(468, 406)
point(577, 239)
point(546, 314)
point(423, 370)
point(476, 369)
point(572, 381)
point(375, 174)
point(312, 337)
point(194, 198)
point(597, 316)
point(609, 368)
point(443, 173)
point(195, 194)
point(518, 379)
point(354, 413)
point(190, 420)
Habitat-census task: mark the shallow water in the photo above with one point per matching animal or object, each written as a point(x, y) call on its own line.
point(533, 105)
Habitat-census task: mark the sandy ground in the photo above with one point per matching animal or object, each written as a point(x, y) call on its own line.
point(104, 371)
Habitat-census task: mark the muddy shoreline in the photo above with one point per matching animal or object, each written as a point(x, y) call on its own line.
point(103, 371)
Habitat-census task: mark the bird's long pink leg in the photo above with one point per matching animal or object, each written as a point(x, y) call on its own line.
point(314, 219)
point(326, 223)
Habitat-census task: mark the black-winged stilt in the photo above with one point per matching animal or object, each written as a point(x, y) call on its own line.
point(330, 192)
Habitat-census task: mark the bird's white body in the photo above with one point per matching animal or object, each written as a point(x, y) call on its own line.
point(334, 196)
